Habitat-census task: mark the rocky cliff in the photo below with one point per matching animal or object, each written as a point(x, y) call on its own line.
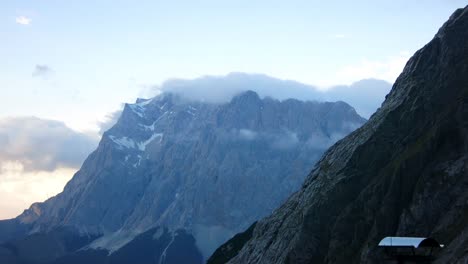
point(403, 173)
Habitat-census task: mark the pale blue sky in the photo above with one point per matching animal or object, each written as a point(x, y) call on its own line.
point(101, 53)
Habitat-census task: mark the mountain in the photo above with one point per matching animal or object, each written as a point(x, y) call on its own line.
point(175, 176)
point(404, 173)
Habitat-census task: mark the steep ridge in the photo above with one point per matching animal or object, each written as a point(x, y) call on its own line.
point(403, 173)
point(206, 170)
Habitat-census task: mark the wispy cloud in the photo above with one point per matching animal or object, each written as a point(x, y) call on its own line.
point(339, 36)
point(23, 20)
point(109, 120)
point(387, 69)
point(41, 71)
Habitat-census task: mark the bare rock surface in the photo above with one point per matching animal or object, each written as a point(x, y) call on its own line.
point(404, 173)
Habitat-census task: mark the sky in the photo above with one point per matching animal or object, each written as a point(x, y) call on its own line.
point(68, 65)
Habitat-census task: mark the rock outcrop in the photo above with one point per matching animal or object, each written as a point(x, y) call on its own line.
point(404, 173)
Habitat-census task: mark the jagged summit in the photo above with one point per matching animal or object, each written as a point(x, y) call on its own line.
point(246, 97)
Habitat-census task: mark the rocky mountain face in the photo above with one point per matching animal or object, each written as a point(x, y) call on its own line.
point(404, 173)
point(200, 171)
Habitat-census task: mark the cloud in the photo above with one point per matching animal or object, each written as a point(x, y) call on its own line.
point(365, 95)
point(338, 36)
point(322, 142)
point(109, 121)
point(285, 140)
point(19, 188)
point(22, 20)
point(247, 134)
point(41, 71)
point(219, 89)
point(387, 69)
point(42, 145)
point(37, 158)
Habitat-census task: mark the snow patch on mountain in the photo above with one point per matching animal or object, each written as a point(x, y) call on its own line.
point(142, 145)
point(144, 102)
point(123, 142)
point(137, 109)
point(113, 241)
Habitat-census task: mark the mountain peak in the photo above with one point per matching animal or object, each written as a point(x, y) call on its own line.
point(247, 97)
point(455, 24)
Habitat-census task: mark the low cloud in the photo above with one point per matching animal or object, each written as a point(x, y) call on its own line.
point(109, 121)
point(365, 95)
point(42, 71)
point(219, 89)
point(286, 140)
point(22, 20)
point(42, 145)
point(247, 134)
point(323, 142)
